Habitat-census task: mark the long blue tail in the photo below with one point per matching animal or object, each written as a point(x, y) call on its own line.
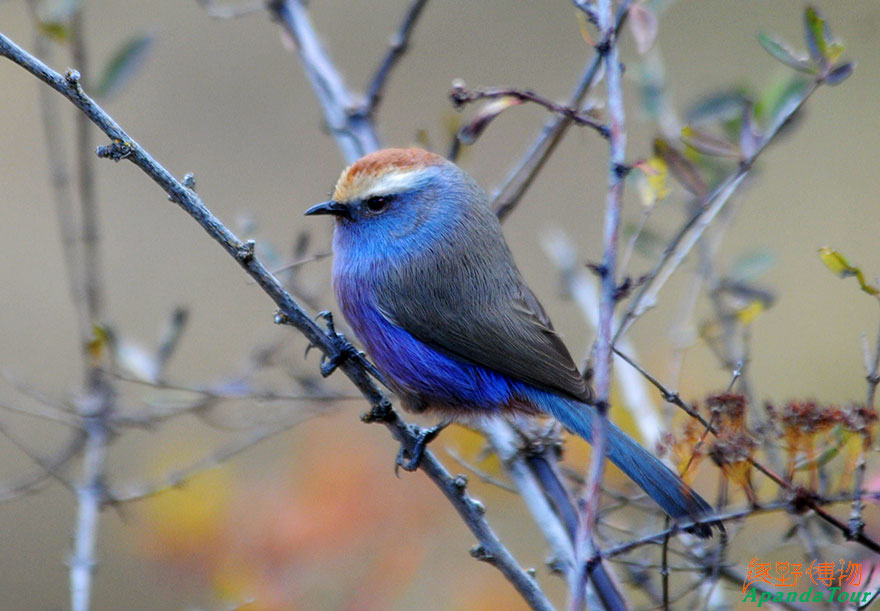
point(665, 487)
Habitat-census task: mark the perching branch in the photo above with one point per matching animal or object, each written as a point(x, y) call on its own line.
point(490, 548)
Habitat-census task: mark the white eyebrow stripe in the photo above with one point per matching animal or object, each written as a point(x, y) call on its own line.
point(391, 183)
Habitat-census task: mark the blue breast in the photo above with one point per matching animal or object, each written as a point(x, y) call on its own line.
point(430, 376)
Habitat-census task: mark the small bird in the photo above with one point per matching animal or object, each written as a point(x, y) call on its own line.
point(425, 279)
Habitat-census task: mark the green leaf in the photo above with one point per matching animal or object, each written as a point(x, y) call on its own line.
point(826, 455)
point(123, 65)
point(648, 243)
point(723, 106)
point(840, 73)
point(780, 51)
point(780, 101)
point(816, 35)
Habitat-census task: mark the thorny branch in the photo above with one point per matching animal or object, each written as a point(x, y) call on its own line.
point(122, 146)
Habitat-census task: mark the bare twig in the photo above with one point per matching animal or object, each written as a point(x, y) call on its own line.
point(856, 522)
point(461, 96)
point(506, 444)
point(354, 132)
point(49, 467)
point(483, 476)
point(83, 264)
point(508, 195)
point(123, 146)
point(690, 232)
point(397, 46)
point(175, 479)
point(608, 298)
point(581, 286)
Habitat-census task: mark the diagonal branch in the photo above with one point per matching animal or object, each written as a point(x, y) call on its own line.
point(508, 195)
point(490, 547)
point(396, 48)
point(353, 131)
point(691, 231)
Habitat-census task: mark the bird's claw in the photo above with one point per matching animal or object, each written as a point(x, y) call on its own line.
point(410, 460)
point(344, 348)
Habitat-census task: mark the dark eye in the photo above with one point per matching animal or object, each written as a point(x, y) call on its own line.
point(377, 203)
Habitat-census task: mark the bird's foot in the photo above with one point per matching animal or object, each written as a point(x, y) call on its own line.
point(409, 460)
point(344, 348)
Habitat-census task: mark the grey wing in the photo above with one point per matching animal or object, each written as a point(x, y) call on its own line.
point(498, 324)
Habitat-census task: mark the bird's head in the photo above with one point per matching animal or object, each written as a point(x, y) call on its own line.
point(399, 198)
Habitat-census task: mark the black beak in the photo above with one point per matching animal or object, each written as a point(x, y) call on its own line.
point(329, 207)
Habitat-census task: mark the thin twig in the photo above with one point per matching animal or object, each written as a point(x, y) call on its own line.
point(707, 209)
point(461, 96)
point(856, 522)
point(176, 478)
point(505, 442)
point(49, 467)
point(806, 500)
point(608, 297)
point(123, 146)
point(483, 476)
point(354, 132)
point(509, 194)
point(397, 46)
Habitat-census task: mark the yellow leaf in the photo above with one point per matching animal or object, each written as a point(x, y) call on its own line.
point(654, 183)
point(98, 342)
point(59, 32)
point(835, 51)
point(838, 264)
point(749, 313)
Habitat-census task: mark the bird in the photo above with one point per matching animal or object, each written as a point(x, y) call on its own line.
point(426, 281)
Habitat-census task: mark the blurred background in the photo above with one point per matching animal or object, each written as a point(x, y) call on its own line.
point(314, 517)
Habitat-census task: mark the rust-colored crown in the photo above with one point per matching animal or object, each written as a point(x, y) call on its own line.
point(364, 175)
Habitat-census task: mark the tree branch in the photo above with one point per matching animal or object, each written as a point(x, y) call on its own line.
point(353, 131)
point(397, 46)
point(690, 232)
point(490, 548)
point(508, 195)
point(608, 297)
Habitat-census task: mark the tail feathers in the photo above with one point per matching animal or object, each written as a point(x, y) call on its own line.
point(676, 498)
